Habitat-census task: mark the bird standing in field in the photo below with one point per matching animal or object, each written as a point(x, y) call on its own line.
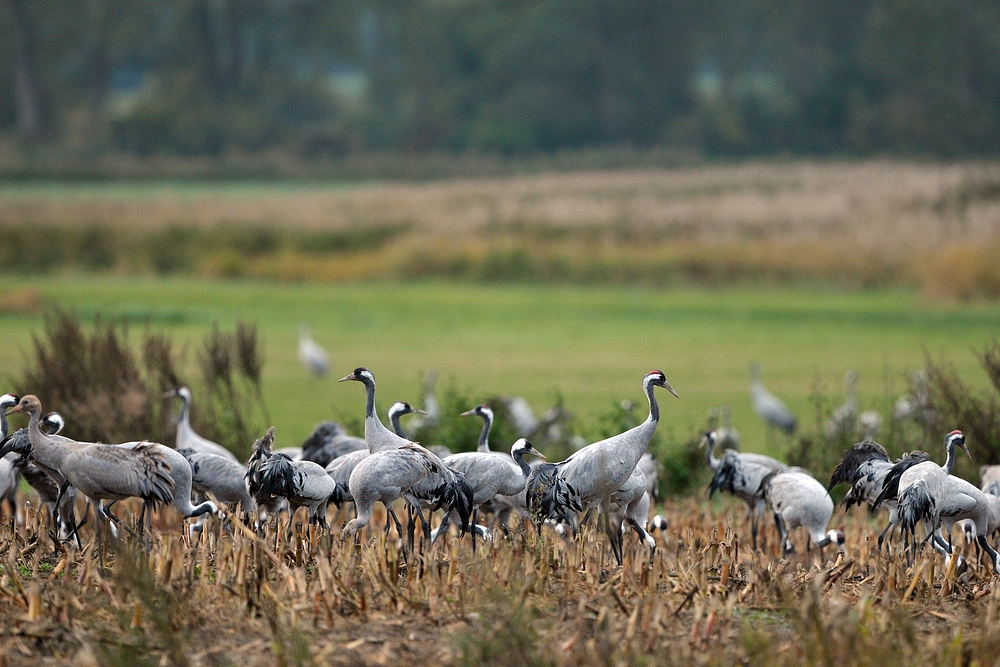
point(865, 466)
point(313, 357)
point(741, 474)
point(594, 473)
point(186, 437)
point(98, 471)
point(798, 499)
point(302, 483)
point(920, 491)
point(397, 465)
point(769, 407)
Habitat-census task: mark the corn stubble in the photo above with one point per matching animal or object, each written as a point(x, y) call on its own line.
point(705, 598)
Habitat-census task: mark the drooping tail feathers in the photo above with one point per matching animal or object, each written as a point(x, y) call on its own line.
point(550, 497)
point(856, 456)
point(915, 505)
point(261, 453)
point(277, 478)
point(890, 486)
point(455, 493)
point(729, 475)
point(156, 482)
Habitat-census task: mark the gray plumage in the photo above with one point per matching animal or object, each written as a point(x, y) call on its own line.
point(929, 494)
point(769, 407)
point(598, 470)
point(329, 442)
point(10, 476)
point(630, 506)
point(303, 483)
point(845, 418)
point(186, 437)
point(741, 474)
point(43, 484)
point(449, 491)
point(989, 479)
point(98, 471)
point(313, 357)
point(798, 499)
point(650, 468)
point(219, 477)
point(385, 476)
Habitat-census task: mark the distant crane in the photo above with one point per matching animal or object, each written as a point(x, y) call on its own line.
point(769, 407)
point(845, 418)
point(312, 355)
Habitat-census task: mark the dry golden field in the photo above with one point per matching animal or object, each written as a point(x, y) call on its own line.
point(704, 598)
point(932, 226)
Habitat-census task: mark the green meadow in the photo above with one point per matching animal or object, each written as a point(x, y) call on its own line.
point(590, 345)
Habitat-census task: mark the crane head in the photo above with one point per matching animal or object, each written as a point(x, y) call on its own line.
point(28, 405)
point(54, 422)
point(837, 538)
point(483, 411)
point(658, 379)
point(955, 438)
point(9, 401)
point(708, 437)
point(404, 408)
point(522, 447)
point(360, 374)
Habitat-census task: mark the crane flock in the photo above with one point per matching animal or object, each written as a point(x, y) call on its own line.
point(616, 478)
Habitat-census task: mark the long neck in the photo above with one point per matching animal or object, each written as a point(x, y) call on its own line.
point(519, 459)
point(950, 461)
point(184, 422)
point(713, 463)
point(47, 452)
point(654, 407)
point(396, 426)
point(373, 425)
point(484, 435)
point(3, 423)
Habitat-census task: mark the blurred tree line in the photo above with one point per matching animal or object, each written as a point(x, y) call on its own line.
point(322, 78)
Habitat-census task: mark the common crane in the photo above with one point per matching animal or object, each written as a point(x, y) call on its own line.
point(865, 466)
point(741, 474)
point(10, 476)
point(98, 471)
point(798, 499)
point(313, 357)
point(769, 407)
point(591, 475)
point(186, 437)
point(449, 491)
point(302, 483)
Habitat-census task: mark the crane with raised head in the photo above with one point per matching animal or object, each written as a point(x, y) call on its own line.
point(186, 436)
point(591, 475)
point(448, 490)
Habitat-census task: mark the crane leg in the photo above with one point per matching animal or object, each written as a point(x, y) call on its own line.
point(993, 554)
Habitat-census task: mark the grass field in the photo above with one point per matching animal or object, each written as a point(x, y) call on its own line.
point(593, 345)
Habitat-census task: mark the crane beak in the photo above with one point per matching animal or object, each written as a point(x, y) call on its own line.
point(352, 376)
point(469, 413)
point(418, 412)
point(170, 394)
point(539, 454)
point(967, 452)
point(666, 385)
point(16, 408)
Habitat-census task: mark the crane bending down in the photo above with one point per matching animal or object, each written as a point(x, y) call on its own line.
point(220, 478)
point(865, 466)
point(769, 407)
point(401, 472)
point(302, 483)
point(798, 499)
point(594, 473)
point(490, 474)
point(186, 437)
point(741, 474)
